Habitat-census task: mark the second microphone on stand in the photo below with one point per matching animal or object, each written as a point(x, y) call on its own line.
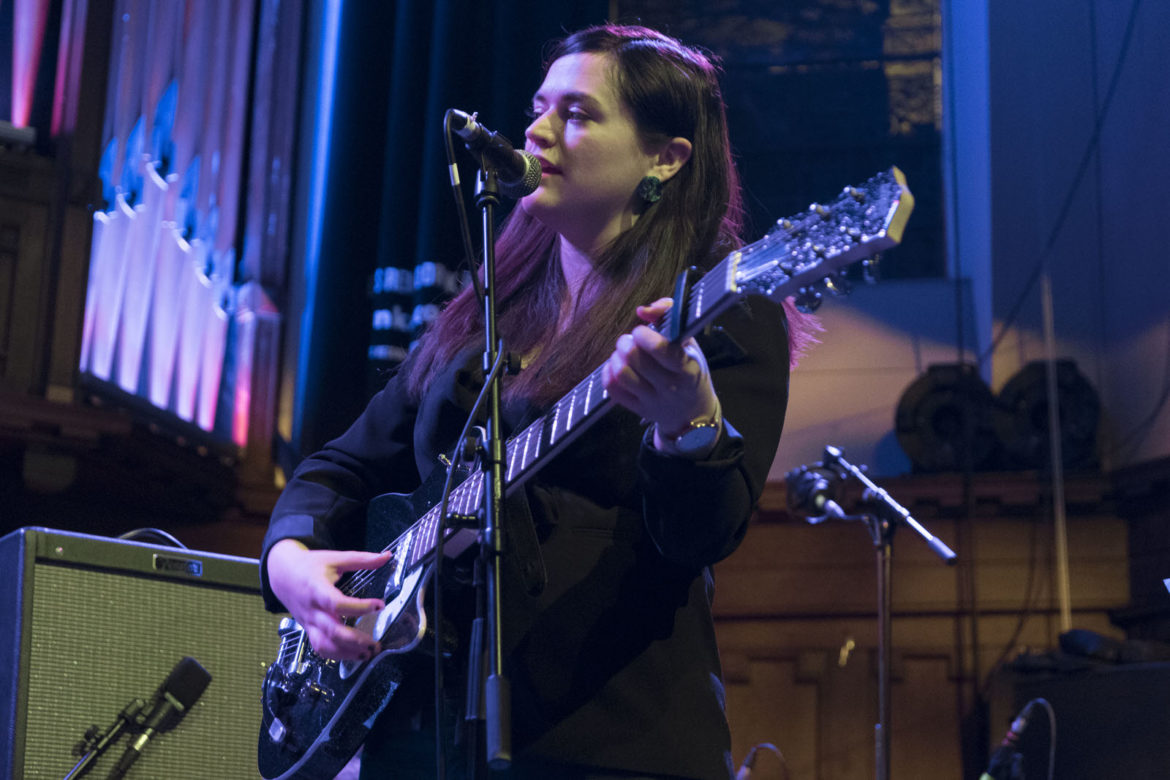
point(812, 493)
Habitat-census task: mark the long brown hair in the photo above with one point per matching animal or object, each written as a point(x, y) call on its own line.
point(671, 90)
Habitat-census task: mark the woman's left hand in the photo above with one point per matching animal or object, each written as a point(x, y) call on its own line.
point(667, 384)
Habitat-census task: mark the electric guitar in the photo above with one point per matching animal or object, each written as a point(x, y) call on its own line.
point(316, 711)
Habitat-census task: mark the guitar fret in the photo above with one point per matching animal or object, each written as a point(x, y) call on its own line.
point(589, 392)
point(512, 459)
point(525, 452)
point(531, 437)
point(405, 547)
point(532, 447)
point(572, 399)
point(586, 390)
point(456, 501)
point(420, 544)
point(696, 307)
point(431, 533)
point(556, 427)
point(467, 494)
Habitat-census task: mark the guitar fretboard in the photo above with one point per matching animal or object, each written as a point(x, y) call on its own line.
point(796, 254)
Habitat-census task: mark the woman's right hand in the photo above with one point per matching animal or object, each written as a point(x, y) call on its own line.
point(305, 581)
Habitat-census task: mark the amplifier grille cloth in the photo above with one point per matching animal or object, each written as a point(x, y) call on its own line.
point(101, 639)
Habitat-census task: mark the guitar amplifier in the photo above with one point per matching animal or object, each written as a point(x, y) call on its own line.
point(93, 623)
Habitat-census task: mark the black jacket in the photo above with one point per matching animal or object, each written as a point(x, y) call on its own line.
point(614, 663)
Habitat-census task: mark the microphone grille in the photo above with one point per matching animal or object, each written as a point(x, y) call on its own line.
point(187, 681)
point(526, 184)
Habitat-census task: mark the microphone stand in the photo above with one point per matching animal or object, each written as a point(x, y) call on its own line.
point(497, 690)
point(94, 744)
point(882, 523)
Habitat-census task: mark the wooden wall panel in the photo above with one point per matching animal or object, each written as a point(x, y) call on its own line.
point(796, 615)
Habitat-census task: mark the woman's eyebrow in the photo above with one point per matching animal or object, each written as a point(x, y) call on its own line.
point(569, 97)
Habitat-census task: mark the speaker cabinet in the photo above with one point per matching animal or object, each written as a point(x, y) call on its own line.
point(91, 624)
point(1110, 721)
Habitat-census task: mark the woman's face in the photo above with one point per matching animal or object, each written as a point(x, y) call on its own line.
point(590, 154)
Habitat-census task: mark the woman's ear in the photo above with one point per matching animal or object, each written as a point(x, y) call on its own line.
point(672, 157)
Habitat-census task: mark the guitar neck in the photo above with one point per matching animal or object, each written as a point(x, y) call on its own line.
point(798, 254)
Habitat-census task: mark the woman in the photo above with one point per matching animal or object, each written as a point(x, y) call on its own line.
point(613, 665)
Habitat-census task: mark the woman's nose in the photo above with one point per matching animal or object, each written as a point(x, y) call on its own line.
point(540, 132)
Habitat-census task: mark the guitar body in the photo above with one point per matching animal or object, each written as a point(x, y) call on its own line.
point(317, 711)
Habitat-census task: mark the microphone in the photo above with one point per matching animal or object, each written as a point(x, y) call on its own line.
point(518, 171)
point(174, 698)
point(810, 494)
point(1005, 762)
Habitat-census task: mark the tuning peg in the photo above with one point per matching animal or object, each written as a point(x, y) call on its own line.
point(856, 194)
point(870, 270)
point(838, 285)
point(808, 300)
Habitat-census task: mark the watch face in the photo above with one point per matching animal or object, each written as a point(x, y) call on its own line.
point(696, 439)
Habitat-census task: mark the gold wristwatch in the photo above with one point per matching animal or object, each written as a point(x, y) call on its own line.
point(698, 436)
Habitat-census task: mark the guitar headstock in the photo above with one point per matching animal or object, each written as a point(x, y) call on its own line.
point(807, 251)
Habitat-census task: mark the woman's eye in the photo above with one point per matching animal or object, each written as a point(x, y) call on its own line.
point(573, 115)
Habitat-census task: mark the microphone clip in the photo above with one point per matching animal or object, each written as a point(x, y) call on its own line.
point(813, 492)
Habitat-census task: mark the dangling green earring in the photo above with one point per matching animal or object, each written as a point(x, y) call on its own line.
point(650, 189)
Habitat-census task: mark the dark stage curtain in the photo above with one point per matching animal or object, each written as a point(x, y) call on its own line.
point(389, 240)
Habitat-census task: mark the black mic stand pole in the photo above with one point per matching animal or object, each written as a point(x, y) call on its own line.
point(94, 744)
point(497, 691)
point(882, 524)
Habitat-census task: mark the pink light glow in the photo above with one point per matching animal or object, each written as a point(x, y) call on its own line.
point(139, 280)
point(194, 302)
point(92, 303)
point(245, 357)
point(29, 20)
point(105, 293)
point(70, 50)
point(173, 260)
point(215, 332)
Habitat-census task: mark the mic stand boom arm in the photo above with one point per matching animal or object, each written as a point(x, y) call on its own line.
point(885, 505)
point(882, 523)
